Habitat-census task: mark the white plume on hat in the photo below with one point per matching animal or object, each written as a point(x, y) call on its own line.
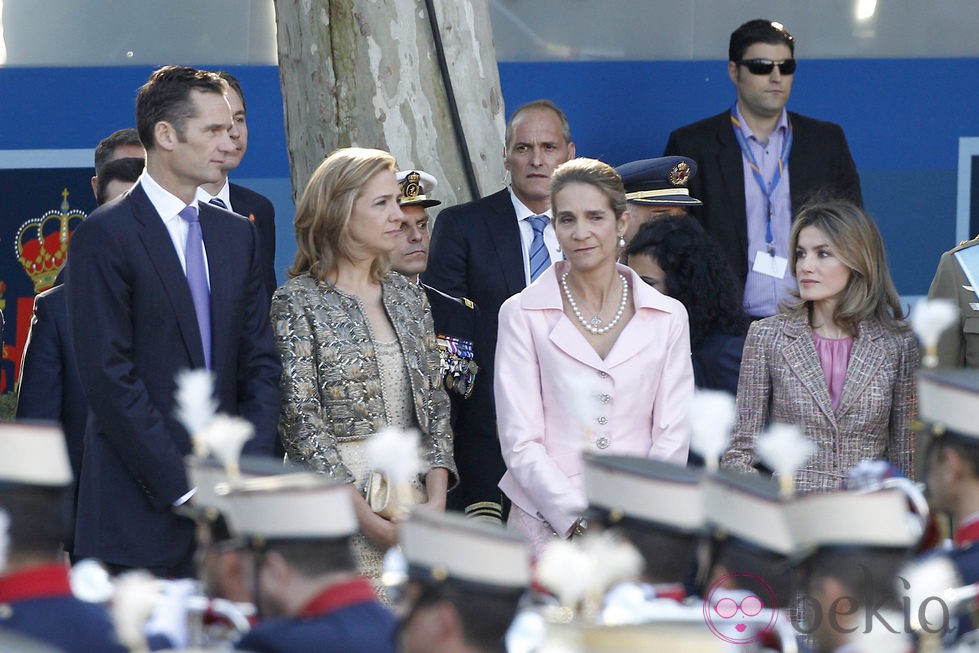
point(563, 569)
point(219, 435)
point(712, 414)
point(580, 572)
point(929, 319)
point(223, 437)
point(394, 451)
point(927, 580)
point(784, 449)
point(196, 405)
point(135, 599)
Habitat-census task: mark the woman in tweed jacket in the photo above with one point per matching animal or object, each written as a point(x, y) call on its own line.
point(357, 342)
point(838, 361)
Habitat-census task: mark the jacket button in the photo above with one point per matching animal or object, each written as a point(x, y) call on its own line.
point(604, 398)
point(603, 375)
point(603, 420)
point(602, 443)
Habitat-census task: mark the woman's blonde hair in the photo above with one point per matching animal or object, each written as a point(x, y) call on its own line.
point(856, 242)
point(596, 173)
point(324, 211)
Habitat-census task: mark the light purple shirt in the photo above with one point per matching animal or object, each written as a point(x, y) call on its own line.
point(834, 356)
point(763, 293)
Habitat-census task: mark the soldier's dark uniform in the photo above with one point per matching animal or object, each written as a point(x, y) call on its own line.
point(345, 618)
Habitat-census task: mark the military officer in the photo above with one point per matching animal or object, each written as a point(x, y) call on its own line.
point(957, 279)
point(655, 188)
point(455, 318)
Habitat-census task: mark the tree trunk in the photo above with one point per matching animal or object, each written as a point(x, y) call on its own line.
point(366, 73)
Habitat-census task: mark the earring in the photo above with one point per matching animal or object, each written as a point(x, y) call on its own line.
point(621, 241)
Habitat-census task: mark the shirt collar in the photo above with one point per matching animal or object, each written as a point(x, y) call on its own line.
point(224, 194)
point(336, 597)
point(166, 203)
point(781, 127)
point(521, 209)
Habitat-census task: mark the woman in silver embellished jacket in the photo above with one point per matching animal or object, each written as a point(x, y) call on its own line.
point(357, 342)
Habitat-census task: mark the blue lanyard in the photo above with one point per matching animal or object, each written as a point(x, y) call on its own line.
point(767, 189)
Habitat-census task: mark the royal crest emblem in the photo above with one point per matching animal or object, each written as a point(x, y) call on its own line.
point(42, 243)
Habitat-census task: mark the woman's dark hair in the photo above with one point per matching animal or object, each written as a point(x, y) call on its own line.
point(696, 272)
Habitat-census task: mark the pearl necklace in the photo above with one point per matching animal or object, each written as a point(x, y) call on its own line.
point(592, 326)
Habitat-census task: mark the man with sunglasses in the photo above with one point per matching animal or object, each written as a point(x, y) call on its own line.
point(759, 163)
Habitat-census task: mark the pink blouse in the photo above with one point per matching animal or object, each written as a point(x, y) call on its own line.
point(834, 355)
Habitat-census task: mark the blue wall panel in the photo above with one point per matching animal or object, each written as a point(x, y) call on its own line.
point(903, 119)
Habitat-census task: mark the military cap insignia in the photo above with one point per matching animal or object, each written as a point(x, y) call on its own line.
point(680, 174)
point(411, 188)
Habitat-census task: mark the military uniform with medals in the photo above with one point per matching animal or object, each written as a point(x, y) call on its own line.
point(456, 320)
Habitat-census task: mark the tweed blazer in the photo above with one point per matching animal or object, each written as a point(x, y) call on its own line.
point(782, 381)
point(331, 382)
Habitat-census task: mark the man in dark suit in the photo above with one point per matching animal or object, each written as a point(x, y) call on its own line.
point(161, 283)
point(759, 163)
point(49, 387)
point(488, 250)
point(241, 200)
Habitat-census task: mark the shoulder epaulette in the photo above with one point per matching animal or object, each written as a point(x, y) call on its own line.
point(468, 303)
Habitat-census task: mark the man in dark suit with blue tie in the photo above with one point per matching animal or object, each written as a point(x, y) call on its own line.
point(241, 200)
point(158, 284)
point(488, 250)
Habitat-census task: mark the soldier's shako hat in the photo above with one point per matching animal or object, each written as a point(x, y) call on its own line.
point(444, 546)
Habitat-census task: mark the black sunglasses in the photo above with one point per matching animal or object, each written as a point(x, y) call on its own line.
point(765, 66)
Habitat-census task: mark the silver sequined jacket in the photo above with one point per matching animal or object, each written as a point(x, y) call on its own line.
point(331, 386)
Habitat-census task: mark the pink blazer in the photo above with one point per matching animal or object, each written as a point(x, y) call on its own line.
point(555, 397)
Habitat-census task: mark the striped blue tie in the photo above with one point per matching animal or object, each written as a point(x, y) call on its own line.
point(540, 258)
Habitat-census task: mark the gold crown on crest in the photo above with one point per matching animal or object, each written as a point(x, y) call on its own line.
point(42, 243)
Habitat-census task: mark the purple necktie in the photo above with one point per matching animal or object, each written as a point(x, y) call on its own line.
point(197, 278)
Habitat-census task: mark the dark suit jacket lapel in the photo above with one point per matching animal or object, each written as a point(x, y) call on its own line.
point(732, 174)
point(161, 255)
point(801, 357)
point(866, 357)
point(799, 163)
point(504, 232)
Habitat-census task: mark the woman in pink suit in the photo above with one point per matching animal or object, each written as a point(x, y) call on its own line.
point(589, 359)
point(838, 361)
